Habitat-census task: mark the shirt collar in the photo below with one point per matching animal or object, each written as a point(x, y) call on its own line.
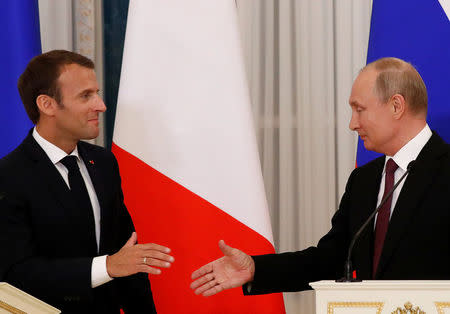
point(53, 152)
point(411, 150)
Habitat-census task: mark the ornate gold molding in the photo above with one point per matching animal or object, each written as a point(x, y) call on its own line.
point(408, 309)
point(10, 308)
point(440, 306)
point(333, 305)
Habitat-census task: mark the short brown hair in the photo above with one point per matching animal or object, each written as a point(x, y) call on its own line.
point(396, 76)
point(41, 77)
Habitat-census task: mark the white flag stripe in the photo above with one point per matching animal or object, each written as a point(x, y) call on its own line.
point(445, 4)
point(193, 106)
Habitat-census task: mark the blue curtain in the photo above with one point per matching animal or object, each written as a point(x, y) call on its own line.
point(115, 14)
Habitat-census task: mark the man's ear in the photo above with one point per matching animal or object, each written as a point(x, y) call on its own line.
point(398, 105)
point(46, 105)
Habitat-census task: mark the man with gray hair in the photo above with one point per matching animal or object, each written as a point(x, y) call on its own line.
point(389, 110)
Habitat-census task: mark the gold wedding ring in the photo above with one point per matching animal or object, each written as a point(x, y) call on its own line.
point(145, 260)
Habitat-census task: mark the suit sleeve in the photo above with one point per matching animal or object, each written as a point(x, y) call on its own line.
point(134, 291)
point(294, 270)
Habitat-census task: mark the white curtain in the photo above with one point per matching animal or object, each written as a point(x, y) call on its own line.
point(301, 57)
point(74, 25)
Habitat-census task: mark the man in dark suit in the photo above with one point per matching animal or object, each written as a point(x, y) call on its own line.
point(65, 233)
point(410, 236)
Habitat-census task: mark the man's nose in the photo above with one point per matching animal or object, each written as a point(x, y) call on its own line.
point(354, 122)
point(100, 105)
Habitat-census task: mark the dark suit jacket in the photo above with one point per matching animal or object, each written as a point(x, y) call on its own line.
point(48, 243)
point(417, 244)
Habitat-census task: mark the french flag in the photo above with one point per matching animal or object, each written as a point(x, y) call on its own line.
point(21, 41)
point(416, 31)
point(186, 147)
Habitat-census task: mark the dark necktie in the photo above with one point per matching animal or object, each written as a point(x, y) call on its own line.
point(383, 215)
point(79, 191)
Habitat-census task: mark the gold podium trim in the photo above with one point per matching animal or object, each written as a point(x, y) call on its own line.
point(440, 306)
point(10, 308)
point(333, 305)
point(408, 308)
point(16, 301)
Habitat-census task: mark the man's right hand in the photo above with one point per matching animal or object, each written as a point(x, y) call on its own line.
point(232, 270)
point(135, 258)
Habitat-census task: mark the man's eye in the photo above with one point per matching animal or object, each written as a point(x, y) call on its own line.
point(359, 109)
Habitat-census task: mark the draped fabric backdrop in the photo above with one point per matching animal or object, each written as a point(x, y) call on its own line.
point(302, 57)
point(21, 41)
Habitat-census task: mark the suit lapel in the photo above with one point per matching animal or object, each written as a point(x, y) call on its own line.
point(416, 185)
point(46, 169)
point(94, 167)
point(60, 192)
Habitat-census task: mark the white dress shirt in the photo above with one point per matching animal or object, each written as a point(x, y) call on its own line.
point(402, 158)
point(99, 274)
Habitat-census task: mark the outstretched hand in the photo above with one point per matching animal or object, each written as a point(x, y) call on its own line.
point(133, 258)
point(232, 270)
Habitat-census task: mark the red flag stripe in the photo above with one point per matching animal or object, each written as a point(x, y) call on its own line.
point(166, 213)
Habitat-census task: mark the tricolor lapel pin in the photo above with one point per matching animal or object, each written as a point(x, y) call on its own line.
point(91, 162)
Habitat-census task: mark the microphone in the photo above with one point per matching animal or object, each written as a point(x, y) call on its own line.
point(348, 263)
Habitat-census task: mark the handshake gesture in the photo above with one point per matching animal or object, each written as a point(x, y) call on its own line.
point(232, 270)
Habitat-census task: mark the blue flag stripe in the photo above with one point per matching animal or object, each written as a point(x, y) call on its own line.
point(20, 38)
point(416, 31)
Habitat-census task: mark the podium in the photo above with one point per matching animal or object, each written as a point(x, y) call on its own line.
point(15, 301)
point(383, 297)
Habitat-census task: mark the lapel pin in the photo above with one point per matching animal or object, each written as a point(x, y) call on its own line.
point(91, 162)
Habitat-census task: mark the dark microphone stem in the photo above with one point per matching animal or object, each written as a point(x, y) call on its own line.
point(348, 263)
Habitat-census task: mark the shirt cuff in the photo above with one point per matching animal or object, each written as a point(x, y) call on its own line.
point(99, 274)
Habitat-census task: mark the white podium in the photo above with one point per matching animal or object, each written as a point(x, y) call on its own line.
point(15, 301)
point(382, 296)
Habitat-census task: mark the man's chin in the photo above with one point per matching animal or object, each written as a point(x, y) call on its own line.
point(368, 145)
point(91, 135)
